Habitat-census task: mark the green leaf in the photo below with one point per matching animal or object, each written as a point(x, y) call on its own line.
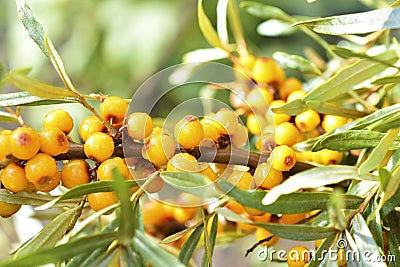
point(387, 18)
point(392, 185)
point(207, 28)
point(321, 254)
point(365, 242)
point(7, 117)
point(190, 245)
point(32, 199)
point(264, 11)
point(379, 152)
point(335, 210)
point(153, 253)
point(374, 221)
point(353, 139)
point(347, 53)
point(314, 178)
point(176, 236)
point(207, 257)
point(50, 234)
point(125, 217)
point(394, 160)
point(61, 252)
point(297, 63)
point(236, 26)
point(334, 109)
point(350, 76)
point(292, 108)
point(297, 202)
point(35, 29)
point(392, 223)
point(193, 183)
point(37, 88)
point(212, 238)
point(387, 80)
point(26, 99)
point(377, 117)
point(222, 20)
point(82, 190)
point(275, 28)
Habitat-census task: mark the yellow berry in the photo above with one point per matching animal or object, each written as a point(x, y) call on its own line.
point(101, 200)
point(113, 110)
point(42, 171)
point(13, 178)
point(104, 172)
point(207, 171)
point(265, 70)
point(183, 162)
point(329, 157)
point(267, 177)
point(284, 158)
point(307, 120)
point(331, 122)
point(210, 131)
point(297, 94)
point(151, 208)
point(239, 138)
point(262, 233)
point(279, 117)
point(244, 66)
point(5, 146)
point(235, 206)
point(256, 123)
point(258, 100)
point(74, 173)
point(189, 132)
point(99, 147)
point(286, 134)
point(90, 125)
point(60, 119)
point(53, 141)
point(298, 256)
point(8, 209)
point(292, 218)
point(159, 148)
point(227, 121)
point(24, 143)
point(288, 86)
point(242, 180)
point(140, 125)
point(183, 214)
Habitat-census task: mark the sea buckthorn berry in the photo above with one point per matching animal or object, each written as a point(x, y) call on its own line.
point(89, 125)
point(102, 200)
point(210, 130)
point(24, 143)
point(266, 142)
point(53, 141)
point(189, 132)
point(280, 75)
point(288, 86)
point(307, 120)
point(328, 157)
point(99, 147)
point(207, 171)
point(331, 122)
point(262, 233)
point(258, 100)
point(8, 209)
point(5, 146)
point(292, 218)
point(42, 171)
point(59, 118)
point(227, 121)
point(252, 211)
point(235, 206)
point(140, 125)
point(113, 110)
point(267, 177)
point(286, 133)
point(256, 123)
point(265, 70)
point(284, 158)
point(13, 178)
point(154, 213)
point(183, 162)
point(244, 66)
point(279, 117)
point(104, 172)
point(183, 214)
point(263, 218)
point(297, 94)
point(75, 172)
point(243, 180)
point(341, 257)
point(239, 138)
point(298, 256)
point(159, 148)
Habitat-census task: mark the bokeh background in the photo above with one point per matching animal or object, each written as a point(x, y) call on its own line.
point(112, 46)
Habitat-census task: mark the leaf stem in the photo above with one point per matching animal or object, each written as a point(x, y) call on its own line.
point(364, 204)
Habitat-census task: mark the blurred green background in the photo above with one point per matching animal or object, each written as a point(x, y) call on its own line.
point(112, 46)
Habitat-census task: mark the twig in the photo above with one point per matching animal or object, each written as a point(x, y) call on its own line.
point(364, 204)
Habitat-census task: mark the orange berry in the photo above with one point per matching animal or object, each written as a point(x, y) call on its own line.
point(183, 214)
point(296, 94)
point(210, 131)
point(102, 200)
point(53, 141)
point(262, 233)
point(24, 143)
point(42, 171)
point(265, 70)
point(307, 120)
point(159, 148)
point(331, 122)
point(298, 256)
point(74, 173)
point(235, 206)
point(226, 120)
point(152, 208)
point(183, 162)
point(256, 123)
point(60, 119)
point(279, 117)
point(292, 218)
point(244, 66)
point(113, 110)
point(284, 158)
point(13, 178)
point(207, 171)
point(99, 147)
point(242, 180)
point(8, 209)
point(104, 172)
point(5, 146)
point(288, 86)
point(286, 133)
point(140, 125)
point(90, 125)
point(329, 157)
point(267, 177)
point(240, 137)
point(189, 132)
point(258, 100)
